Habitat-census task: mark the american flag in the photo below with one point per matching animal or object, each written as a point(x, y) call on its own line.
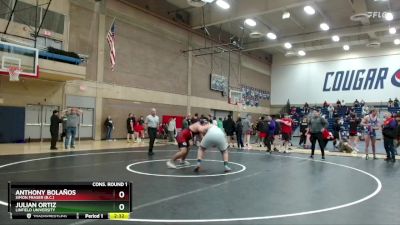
point(111, 43)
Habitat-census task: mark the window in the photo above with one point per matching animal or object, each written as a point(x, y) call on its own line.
point(54, 22)
point(5, 9)
point(26, 13)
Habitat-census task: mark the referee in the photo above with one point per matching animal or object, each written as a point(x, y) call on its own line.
point(152, 121)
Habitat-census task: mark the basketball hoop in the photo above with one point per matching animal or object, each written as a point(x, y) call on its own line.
point(14, 72)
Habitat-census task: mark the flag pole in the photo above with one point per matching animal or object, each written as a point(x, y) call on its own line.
point(111, 24)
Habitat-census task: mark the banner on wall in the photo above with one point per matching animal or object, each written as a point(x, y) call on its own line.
point(253, 96)
point(373, 79)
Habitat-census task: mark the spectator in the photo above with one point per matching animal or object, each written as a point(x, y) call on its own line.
point(64, 125)
point(330, 111)
point(397, 142)
point(269, 141)
point(390, 103)
point(72, 123)
point(210, 118)
point(195, 118)
point(277, 133)
point(286, 131)
point(261, 128)
point(317, 124)
point(138, 128)
point(306, 108)
point(356, 103)
point(220, 124)
point(362, 103)
point(343, 103)
point(171, 129)
point(109, 127)
point(396, 103)
point(354, 122)
point(54, 129)
point(325, 105)
point(186, 122)
point(247, 130)
point(389, 132)
point(336, 131)
point(130, 122)
point(338, 103)
point(229, 128)
point(214, 121)
point(239, 133)
point(303, 131)
point(364, 110)
point(152, 122)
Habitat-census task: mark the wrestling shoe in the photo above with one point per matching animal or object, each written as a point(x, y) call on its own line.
point(227, 169)
point(171, 165)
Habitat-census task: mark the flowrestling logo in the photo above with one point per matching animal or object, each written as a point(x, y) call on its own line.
point(396, 78)
point(362, 79)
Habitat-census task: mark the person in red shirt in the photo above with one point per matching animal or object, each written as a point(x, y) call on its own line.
point(286, 131)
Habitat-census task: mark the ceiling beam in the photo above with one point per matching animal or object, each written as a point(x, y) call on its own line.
point(243, 9)
point(304, 38)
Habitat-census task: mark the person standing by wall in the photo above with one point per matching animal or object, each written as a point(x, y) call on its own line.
point(316, 125)
point(239, 133)
point(246, 130)
point(54, 129)
point(72, 123)
point(109, 127)
point(389, 132)
point(230, 130)
point(171, 129)
point(152, 122)
point(130, 122)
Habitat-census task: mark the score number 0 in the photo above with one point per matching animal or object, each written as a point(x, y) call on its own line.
point(121, 194)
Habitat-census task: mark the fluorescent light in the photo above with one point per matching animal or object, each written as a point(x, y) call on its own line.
point(208, 1)
point(346, 47)
point(288, 45)
point(286, 15)
point(223, 4)
point(301, 53)
point(388, 16)
point(309, 10)
point(335, 38)
point(396, 41)
point(392, 30)
point(324, 26)
point(250, 22)
point(271, 36)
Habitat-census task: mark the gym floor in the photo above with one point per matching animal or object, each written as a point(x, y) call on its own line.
point(262, 188)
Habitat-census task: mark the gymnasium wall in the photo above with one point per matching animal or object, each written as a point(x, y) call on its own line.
point(83, 36)
point(30, 91)
point(119, 109)
point(334, 74)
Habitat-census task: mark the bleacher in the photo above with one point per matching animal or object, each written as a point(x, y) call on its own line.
point(342, 114)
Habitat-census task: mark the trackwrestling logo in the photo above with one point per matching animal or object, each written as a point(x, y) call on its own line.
point(396, 78)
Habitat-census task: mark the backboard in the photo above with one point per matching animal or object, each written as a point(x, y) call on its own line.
point(19, 56)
